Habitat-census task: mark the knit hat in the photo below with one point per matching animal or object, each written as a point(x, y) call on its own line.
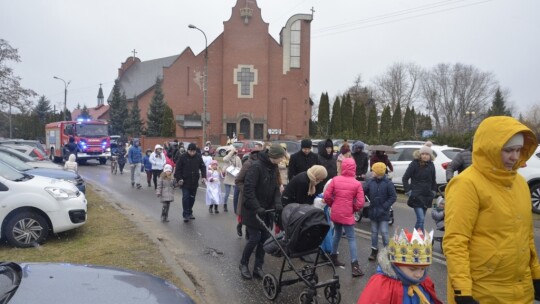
point(167, 168)
point(344, 149)
point(158, 147)
point(328, 144)
point(316, 173)
point(192, 147)
point(276, 151)
point(213, 162)
point(426, 149)
point(516, 140)
point(379, 168)
point(306, 143)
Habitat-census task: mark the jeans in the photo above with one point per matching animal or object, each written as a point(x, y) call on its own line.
point(228, 192)
point(235, 199)
point(135, 173)
point(188, 200)
point(257, 237)
point(420, 217)
point(377, 227)
point(351, 238)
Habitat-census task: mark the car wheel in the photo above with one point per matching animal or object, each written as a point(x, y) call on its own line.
point(535, 197)
point(26, 229)
point(222, 152)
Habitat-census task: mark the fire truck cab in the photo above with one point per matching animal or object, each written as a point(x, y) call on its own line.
point(91, 137)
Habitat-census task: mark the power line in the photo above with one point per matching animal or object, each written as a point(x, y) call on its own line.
point(337, 31)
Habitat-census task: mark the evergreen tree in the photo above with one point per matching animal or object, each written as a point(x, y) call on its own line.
point(43, 109)
point(372, 126)
point(498, 107)
point(118, 111)
point(385, 128)
point(347, 117)
point(396, 119)
point(323, 119)
point(359, 120)
point(78, 106)
point(335, 123)
point(85, 114)
point(409, 125)
point(135, 122)
point(168, 128)
point(156, 111)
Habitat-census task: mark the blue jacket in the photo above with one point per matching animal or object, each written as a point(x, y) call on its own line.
point(135, 155)
point(147, 163)
point(382, 195)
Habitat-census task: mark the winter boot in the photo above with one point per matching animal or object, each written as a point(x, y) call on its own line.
point(373, 255)
point(356, 272)
point(335, 261)
point(211, 209)
point(165, 212)
point(216, 211)
point(225, 208)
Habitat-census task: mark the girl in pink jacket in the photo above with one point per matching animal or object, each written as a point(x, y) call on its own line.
point(345, 196)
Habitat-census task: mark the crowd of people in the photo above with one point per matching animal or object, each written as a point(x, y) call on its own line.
point(486, 219)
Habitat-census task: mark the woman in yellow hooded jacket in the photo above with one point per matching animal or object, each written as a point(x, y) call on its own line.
point(489, 240)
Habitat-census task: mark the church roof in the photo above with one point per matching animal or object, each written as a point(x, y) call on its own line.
point(100, 93)
point(141, 76)
point(95, 113)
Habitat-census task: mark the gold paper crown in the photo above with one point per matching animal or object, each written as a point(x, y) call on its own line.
point(410, 248)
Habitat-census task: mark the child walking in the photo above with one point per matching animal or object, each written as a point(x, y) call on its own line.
point(71, 164)
point(382, 195)
point(148, 167)
point(401, 276)
point(165, 191)
point(345, 196)
point(213, 187)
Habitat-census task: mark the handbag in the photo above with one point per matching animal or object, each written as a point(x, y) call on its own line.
point(233, 170)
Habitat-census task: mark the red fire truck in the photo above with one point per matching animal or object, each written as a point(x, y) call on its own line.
point(91, 137)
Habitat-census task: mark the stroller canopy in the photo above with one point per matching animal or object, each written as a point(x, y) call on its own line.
point(305, 227)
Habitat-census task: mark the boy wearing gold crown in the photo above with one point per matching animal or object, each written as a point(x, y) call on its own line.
point(401, 276)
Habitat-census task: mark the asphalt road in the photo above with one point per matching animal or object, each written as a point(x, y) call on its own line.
point(209, 250)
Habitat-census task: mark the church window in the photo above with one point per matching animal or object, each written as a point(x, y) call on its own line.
point(245, 76)
point(295, 44)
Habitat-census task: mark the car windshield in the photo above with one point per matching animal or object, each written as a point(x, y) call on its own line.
point(451, 153)
point(91, 130)
point(238, 145)
point(16, 154)
point(10, 278)
point(15, 163)
point(9, 173)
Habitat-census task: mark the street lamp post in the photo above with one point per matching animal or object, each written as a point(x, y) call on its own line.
point(205, 84)
point(66, 84)
point(470, 114)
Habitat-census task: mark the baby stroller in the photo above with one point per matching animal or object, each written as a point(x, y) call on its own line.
point(304, 229)
point(365, 211)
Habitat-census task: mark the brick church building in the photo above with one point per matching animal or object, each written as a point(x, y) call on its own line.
point(256, 85)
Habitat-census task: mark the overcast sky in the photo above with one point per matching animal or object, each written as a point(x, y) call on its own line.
point(86, 41)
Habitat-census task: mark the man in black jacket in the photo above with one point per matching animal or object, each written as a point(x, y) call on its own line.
point(187, 176)
point(302, 160)
point(261, 193)
point(361, 160)
point(326, 159)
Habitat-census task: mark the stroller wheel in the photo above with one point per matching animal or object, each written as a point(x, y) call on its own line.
point(332, 294)
point(308, 297)
point(270, 286)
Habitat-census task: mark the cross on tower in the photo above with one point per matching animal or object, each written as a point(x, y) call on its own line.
point(134, 54)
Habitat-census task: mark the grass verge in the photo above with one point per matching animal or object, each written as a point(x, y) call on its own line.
point(108, 238)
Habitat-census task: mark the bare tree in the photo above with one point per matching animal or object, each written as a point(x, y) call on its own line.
point(450, 91)
point(11, 92)
point(399, 84)
point(532, 119)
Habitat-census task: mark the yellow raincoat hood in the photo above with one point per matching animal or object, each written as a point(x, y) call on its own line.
point(489, 240)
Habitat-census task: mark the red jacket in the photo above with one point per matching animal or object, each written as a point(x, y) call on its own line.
point(344, 194)
point(384, 290)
